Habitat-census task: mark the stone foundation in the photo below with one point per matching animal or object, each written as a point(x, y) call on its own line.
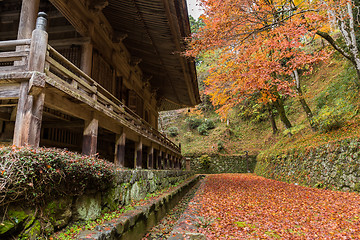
point(334, 165)
point(129, 185)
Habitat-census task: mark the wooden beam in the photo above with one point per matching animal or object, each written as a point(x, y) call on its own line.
point(69, 42)
point(58, 102)
point(9, 91)
point(4, 116)
point(63, 124)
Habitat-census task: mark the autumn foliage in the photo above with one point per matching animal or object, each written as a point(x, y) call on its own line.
point(261, 43)
point(244, 206)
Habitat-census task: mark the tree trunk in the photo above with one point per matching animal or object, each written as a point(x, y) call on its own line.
point(281, 110)
point(303, 103)
point(272, 119)
point(346, 22)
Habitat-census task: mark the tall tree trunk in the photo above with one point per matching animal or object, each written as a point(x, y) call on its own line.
point(303, 103)
point(272, 119)
point(279, 104)
point(346, 22)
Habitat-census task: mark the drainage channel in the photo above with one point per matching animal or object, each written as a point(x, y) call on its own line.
point(163, 229)
point(135, 224)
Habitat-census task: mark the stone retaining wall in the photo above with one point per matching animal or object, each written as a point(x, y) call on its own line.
point(134, 224)
point(129, 185)
point(222, 164)
point(334, 165)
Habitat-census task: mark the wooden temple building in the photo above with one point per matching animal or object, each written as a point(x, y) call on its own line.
point(92, 75)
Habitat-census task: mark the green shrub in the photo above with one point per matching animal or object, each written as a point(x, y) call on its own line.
point(209, 124)
point(204, 162)
point(173, 131)
point(30, 175)
point(220, 146)
point(203, 130)
point(193, 122)
point(333, 117)
point(188, 137)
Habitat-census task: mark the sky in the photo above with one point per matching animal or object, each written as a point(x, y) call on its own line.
point(194, 9)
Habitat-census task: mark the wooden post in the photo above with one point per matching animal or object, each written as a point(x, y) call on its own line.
point(150, 162)
point(31, 99)
point(86, 58)
point(138, 154)
point(28, 15)
point(159, 165)
point(120, 149)
point(166, 157)
point(89, 145)
point(188, 167)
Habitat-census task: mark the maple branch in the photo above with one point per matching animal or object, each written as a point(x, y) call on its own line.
point(332, 42)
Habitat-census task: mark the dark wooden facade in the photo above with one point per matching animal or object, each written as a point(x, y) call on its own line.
point(92, 75)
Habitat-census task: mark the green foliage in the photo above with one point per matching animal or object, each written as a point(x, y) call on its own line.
point(253, 111)
point(173, 131)
point(220, 146)
point(294, 130)
point(209, 124)
point(204, 161)
point(203, 130)
point(193, 122)
point(205, 126)
point(31, 175)
point(188, 137)
point(343, 88)
point(332, 118)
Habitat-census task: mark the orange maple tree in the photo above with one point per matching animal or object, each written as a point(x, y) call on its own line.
point(264, 45)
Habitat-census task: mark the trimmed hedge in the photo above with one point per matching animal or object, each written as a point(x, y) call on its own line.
point(32, 175)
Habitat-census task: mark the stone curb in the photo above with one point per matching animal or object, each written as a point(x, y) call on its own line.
point(187, 226)
point(116, 228)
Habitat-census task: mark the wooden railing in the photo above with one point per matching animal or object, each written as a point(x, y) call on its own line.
point(77, 83)
point(14, 55)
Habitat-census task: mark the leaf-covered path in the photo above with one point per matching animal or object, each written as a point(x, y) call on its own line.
point(245, 206)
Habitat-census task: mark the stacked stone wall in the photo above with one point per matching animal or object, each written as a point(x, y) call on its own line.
point(130, 185)
point(222, 164)
point(334, 165)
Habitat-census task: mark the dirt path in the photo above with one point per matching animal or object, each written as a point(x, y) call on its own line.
point(244, 206)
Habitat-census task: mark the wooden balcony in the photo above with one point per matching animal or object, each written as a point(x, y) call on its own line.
point(32, 72)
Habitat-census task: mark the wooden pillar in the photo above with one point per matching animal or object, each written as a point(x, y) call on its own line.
point(89, 146)
point(31, 99)
point(187, 166)
point(159, 165)
point(170, 161)
point(120, 149)
point(86, 58)
point(138, 154)
point(150, 162)
point(28, 15)
point(166, 160)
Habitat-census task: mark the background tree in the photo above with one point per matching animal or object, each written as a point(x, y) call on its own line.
point(260, 48)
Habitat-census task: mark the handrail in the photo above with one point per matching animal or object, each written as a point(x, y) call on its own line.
point(14, 43)
point(102, 93)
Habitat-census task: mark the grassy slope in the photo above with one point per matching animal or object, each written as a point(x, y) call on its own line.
point(328, 83)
